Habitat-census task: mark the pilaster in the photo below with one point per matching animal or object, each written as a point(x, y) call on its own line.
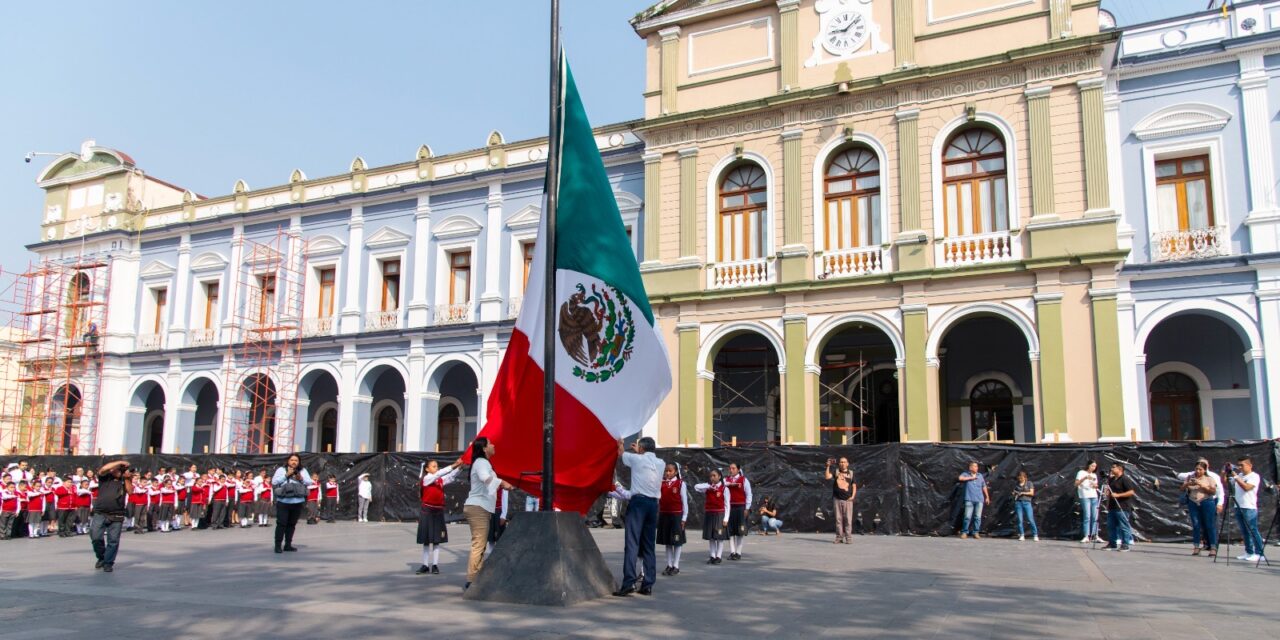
point(1264, 218)
point(795, 336)
point(1106, 358)
point(1053, 373)
point(688, 202)
point(1041, 138)
point(652, 208)
point(347, 441)
point(415, 386)
point(789, 44)
point(234, 291)
point(419, 304)
point(687, 338)
point(909, 170)
point(670, 56)
point(915, 336)
point(350, 320)
point(904, 34)
point(1059, 19)
point(491, 298)
point(1097, 194)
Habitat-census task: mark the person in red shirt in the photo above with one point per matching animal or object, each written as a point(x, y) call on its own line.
point(716, 521)
point(331, 499)
point(673, 511)
point(313, 500)
point(739, 504)
point(431, 528)
point(245, 508)
point(220, 488)
point(199, 494)
point(264, 500)
point(168, 505)
point(35, 508)
point(8, 508)
point(64, 496)
point(83, 502)
point(138, 507)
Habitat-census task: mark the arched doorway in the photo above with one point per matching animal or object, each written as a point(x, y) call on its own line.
point(259, 396)
point(858, 386)
point(984, 381)
point(1175, 408)
point(745, 396)
point(153, 421)
point(328, 427)
point(198, 428)
point(386, 427)
point(382, 427)
point(319, 389)
point(64, 419)
point(449, 427)
point(457, 411)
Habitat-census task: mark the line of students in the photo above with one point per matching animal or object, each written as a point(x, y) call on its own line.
point(160, 501)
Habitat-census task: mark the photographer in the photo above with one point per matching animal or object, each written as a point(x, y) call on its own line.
point(843, 492)
point(1244, 484)
point(115, 481)
point(1203, 494)
point(290, 487)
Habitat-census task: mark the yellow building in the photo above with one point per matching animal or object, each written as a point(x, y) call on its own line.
point(881, 220)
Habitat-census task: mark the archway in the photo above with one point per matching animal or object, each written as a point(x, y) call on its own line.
point(458, 407)
point(384, 386)
point(64, 419)
point(984, 382)
point(153, 421)
point(1212, 394)
point(858, 386)
point(745, 397)
point(318, 392)
point(258, 393)
point(198, 418)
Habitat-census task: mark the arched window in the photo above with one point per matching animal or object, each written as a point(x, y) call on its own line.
point(388, 424)
point(329, 430)
point(1175, 408)
point(974, 183)
point(991, 408)
point(851, 191)
point(449, 425)
point(743, 205)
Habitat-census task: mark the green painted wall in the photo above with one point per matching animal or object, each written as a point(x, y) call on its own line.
point(794, 335)
point(1106, 358)
point(915, 335)
point(1053, 374)
point(688, 389)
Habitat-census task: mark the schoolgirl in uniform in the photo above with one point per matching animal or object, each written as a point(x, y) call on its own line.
point(83, 502)
point(245, 501)
point(264, 501)
point(220, 488)
point(64, 496)
point(498, 520)
point(233, 497)
point(313, 499)
point(716, 514)
point(8, 508)
point(673, 511)
point(35, 510)
point(50, 512)
point(739, 503)
point(199, 495)
point(431, 527)
point(168, 505)
point(331, 499)
point(153, 505)
point(180, 510)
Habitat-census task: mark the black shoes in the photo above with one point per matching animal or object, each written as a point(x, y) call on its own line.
point(435, 570)
point(735, 556)
point(107, 568)
point(711, 560)
point(278, 549)
point(625, 591)
point(646, 591)
point(667, 571)
point(99, 565)
point(421, 570)
point(290, 547)
point(675, 571)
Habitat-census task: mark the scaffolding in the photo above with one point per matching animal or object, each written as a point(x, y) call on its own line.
point(743, 388)
point(54, 314)
point(843, 398)
point(260, 369)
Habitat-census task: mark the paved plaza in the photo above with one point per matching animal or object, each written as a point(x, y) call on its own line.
point(353, 580)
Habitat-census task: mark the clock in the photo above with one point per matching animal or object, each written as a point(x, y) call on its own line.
point(845, 33)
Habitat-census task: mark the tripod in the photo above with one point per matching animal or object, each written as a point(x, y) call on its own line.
point(1267, 538)
point(1223, 531)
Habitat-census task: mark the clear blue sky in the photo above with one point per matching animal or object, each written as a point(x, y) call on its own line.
point(202, 94)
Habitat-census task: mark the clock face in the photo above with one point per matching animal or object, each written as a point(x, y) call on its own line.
point(845, 33)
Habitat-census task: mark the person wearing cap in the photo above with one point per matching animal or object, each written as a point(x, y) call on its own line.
point(364, 494)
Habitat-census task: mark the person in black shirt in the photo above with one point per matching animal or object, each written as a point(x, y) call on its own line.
point(1120, 492)
point(843, 492)
point(114, 483)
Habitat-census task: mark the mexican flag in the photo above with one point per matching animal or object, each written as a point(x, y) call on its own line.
point(611, 368)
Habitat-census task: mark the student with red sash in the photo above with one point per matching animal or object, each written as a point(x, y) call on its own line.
point(431, 527)
point(673, 512)
point(739, 503)
point(716, 521)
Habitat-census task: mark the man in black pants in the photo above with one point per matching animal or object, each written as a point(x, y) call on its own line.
point(289, 487)
point(114, 483)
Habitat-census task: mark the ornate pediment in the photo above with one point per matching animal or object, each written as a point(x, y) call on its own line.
point(387, 237)
point(209, 261)
point(526, 218)
point(156, 269)
point(1181, 119)
point(457, 227)
point(325, 245)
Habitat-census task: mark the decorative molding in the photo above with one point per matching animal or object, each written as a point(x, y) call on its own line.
point(1181, 119)
point(458, 226)
point(387, 237)
point(325, 245)
point(207, 262)
point(527, 217)
point(691, 66)
point(156, 270)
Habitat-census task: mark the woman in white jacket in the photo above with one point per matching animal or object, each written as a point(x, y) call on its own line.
point(365, 494)
point(480, 504)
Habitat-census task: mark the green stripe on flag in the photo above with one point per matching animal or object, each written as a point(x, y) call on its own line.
point(590, 236)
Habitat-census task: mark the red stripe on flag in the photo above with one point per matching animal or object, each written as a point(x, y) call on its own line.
point(586, 453)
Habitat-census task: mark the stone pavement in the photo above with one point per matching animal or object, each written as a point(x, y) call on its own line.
point(353, 579)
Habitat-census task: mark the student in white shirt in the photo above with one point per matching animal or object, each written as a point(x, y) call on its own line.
point(1087, 493)
point(1244, 485)
point(365, 494)
point(479, 507)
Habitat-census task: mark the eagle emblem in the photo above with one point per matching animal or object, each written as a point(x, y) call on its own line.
point(597, 331)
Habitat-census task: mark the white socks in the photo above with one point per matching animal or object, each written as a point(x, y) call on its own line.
point(426, 555)
point(741, 544)
point(716, 547)
point(435, 554)
point(669, 556)
point(678, 549)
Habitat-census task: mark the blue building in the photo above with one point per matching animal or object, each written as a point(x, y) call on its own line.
point(1191, 117)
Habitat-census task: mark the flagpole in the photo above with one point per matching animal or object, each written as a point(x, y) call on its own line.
point(549, 253)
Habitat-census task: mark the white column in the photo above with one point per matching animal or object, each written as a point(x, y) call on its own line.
point(420, 268)
point(113, 405)
point(233, 293)
point(413, 391)
point(1269, 313)
point(1145, 431)
point(1258, 390)
point(1115, 163)
point(350, 320)
point(491, 299)
point(181, 304)
point(122, 309)
point(1131, 386)
point(1264, 218)
point(294, 277)
point(227, 405)
point(173, 381)
point(346, 436)
point(490, 360)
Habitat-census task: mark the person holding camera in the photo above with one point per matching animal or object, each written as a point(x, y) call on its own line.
point(1244, 484)
point(290, 485)
point(115, 481)
point(843, 492)
point(1203, 493)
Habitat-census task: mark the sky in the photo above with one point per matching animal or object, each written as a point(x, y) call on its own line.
point(204, 93)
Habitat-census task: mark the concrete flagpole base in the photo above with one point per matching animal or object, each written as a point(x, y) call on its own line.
point(544, 558)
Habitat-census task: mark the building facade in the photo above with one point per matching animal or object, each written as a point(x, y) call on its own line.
point(1191, 109)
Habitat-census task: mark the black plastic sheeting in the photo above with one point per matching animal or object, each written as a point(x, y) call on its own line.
point(905, 489)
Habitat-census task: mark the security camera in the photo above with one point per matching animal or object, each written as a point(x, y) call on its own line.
point(27, 158)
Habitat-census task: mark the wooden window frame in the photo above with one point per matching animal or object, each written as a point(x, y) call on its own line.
point(328, 288)
point(1180, 180)
point(526, 253)
point(453, 270)
point(212, 295)
point(834, 236)
point(266, 298)
point(974, 179)
point(160, 297)
point(745, 210)
point(386, 278)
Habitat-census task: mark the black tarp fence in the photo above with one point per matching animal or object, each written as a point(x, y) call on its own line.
point(903, 489)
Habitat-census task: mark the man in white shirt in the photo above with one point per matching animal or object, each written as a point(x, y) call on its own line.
point(1244, 484)
point(642, 515)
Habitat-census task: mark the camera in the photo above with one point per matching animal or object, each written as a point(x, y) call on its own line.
point(27, 158)
point(1228, 469)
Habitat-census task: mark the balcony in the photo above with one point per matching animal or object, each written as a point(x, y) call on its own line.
point(513, 307)
point(317, 327)
point(381, 320)
point(743, 273)
point(1191, 244)
point(459, 313)
point(985, 248)
point(148, 342)
point(201, 337)
point(847, 263)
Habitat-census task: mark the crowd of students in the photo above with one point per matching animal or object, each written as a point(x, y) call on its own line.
point(41, 503)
